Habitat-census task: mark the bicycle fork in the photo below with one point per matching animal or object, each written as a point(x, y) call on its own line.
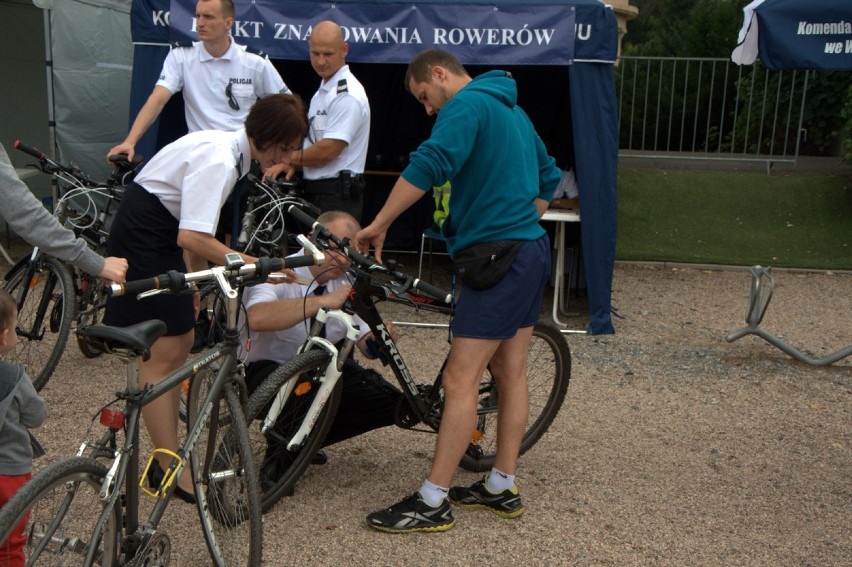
point(331, 374)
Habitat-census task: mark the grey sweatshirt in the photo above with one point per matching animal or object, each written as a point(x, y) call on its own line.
point(29, 219)
point(20, 409)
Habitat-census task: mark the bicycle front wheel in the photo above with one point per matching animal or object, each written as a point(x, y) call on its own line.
point(45, 301)
point(55, 514)
point(224, 476)
point(298, 382)
point(548, 374)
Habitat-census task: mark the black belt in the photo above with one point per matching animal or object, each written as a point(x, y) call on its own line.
point(347, 185)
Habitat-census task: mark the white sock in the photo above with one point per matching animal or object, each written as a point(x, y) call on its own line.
point(499, 481)
point(432, 494)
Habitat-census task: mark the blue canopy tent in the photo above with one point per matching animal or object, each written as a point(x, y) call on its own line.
point(797, 34)
point(580, 35)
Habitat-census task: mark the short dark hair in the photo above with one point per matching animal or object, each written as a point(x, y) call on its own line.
point(420, 68)
point(8, 308)
point(277, 119)
point(227, 7)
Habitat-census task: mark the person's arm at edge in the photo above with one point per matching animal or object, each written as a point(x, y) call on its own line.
point(28, 218)
point(147, 115)
point(33, 409)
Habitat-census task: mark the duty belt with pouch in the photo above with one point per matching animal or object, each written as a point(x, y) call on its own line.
point(347, 184)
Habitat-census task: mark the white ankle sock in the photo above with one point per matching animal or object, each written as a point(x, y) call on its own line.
point(432, 494)
point(499, 481)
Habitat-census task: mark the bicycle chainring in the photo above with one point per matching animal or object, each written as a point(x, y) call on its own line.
point(156, 552)
point(405, 416)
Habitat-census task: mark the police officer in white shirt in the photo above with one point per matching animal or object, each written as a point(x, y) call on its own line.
point(335, 150)
point(167, 220)
point(220, 79)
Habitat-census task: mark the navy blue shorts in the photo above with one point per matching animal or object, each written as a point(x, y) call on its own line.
point(515, 302)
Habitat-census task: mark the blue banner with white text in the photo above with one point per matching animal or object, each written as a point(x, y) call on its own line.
point(805, 35)
point(509, 34)
point(149, 22)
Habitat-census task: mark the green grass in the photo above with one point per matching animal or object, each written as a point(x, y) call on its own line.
point(735, 218)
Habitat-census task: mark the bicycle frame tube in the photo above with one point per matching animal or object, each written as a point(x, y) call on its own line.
point(328, 380)
point(360, 301)
point(36, 331)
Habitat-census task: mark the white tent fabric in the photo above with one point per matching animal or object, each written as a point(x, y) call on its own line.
point(745, 53)
point(92, 58)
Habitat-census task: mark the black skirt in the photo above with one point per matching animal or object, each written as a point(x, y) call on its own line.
point(145, 233)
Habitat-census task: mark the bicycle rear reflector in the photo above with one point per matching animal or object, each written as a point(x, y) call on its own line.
point(113, 419)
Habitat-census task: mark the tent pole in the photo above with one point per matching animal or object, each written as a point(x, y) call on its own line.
point(51, 109)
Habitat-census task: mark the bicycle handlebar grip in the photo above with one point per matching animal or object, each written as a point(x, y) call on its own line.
point(121, 160)
point(172, 280)
point(298, 261)
point(35, 152)
point(432, 290)
point(302, 216)
point(266, 265)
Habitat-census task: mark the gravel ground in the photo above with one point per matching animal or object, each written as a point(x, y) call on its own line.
point(673, 446)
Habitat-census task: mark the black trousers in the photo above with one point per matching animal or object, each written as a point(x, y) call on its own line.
point(367, 400)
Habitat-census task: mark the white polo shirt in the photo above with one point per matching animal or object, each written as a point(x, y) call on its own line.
point(194, 175)
point(340, 110)
point(204, 79)
point(281, 346)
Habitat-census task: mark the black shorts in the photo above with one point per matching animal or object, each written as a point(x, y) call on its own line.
point(145, 233)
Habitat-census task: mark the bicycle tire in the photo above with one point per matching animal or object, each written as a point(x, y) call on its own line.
point(64, 493)
point(40, 352)
point(225, 478)
point(90, 310)
point(548, 375)
point(270, 450)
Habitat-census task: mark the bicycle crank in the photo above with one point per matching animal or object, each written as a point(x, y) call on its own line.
point(155, 553)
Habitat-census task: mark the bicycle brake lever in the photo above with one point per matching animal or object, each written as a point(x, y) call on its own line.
point(307, 244)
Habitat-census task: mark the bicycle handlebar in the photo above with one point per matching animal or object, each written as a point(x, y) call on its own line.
point(35, 152)
point(364, 262)
point(174, 281)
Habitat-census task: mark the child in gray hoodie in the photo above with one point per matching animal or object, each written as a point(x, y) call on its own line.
point(20, 408)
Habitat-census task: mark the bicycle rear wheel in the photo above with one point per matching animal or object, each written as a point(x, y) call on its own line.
point(298, 379)
point(45, 310)
point(55, 515)
point(225, 477)
point(548, 375)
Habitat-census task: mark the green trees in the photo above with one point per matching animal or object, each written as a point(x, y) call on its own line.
point(709, 28)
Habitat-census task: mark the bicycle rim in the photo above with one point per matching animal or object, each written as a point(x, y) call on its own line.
point(44, 317)
point(225, 478)
point(279, 468)
point(64, 508)
point(548, 375)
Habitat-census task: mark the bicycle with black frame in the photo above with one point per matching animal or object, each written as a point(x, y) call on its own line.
point(49, 296)
point(85, 509)
point(291, 412)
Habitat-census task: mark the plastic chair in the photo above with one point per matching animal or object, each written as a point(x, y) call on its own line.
point(433, 233)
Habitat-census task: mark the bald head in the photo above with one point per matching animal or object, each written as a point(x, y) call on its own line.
point(328, 50)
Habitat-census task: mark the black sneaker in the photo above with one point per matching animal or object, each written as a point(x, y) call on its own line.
point(506, 504)
point(413, 514)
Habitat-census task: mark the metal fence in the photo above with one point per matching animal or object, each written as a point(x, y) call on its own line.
point(709, 109)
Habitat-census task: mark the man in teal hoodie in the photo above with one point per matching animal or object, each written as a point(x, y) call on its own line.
point(502, 180)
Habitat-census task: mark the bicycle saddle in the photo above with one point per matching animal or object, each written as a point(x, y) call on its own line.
point(138, 337)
